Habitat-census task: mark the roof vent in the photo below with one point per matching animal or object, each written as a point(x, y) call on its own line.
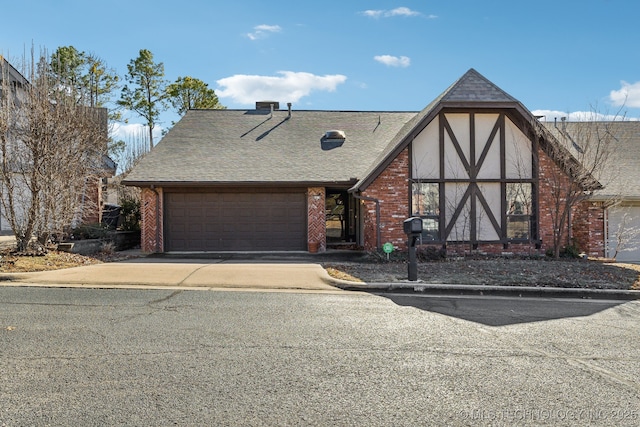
point(335, 134)
point(267, 105)
point(332, 139)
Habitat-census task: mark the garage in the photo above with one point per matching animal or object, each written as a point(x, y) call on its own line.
point(235, 221)
point(624, 221)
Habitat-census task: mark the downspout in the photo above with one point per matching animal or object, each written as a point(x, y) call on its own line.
point(605, 218)
point(153, 188)
point(377, 202)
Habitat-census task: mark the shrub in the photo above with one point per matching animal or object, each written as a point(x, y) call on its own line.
point(569, 251)
point(431, 253)
point(130, 213)
point(90, 231)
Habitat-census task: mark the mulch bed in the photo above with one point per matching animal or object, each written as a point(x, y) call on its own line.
point(501, 272)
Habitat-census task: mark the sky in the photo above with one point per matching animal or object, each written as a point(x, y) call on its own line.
point(558, 57)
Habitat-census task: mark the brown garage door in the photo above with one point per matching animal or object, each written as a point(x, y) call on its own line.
point(235, 221)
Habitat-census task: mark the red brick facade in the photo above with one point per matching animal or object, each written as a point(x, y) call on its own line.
point(151, 227)
point(588, 228)
point(316, 224)
point(92, 201)
point(391, 189)
point(587, 219)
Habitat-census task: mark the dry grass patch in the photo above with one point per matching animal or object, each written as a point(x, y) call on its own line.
point(337, 274)
point(52, 260)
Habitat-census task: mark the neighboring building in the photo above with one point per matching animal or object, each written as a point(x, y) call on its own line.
point(270, 179)
point(92, 198)
point(618, 202)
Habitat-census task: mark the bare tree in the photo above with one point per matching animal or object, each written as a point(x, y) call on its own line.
point(51, 154)
point(626, 235)
point(584, 154)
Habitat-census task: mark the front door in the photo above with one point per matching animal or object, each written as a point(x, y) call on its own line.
point(340, 218)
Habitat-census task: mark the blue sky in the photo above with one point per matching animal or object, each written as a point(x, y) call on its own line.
point(558, 57)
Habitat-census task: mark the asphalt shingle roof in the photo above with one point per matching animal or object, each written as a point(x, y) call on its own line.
point(235, 147)
point(621, 177)
point(251, 146)
point(474, 87)
point(469, 90)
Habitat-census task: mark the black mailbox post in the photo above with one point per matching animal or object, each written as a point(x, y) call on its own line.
point(413, 230)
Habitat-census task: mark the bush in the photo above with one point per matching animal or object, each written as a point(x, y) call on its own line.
point(431, 253)
point(569, 251)
point(90, 231)
point(130, 213)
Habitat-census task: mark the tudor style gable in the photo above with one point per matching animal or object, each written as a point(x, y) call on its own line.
point(472, 178)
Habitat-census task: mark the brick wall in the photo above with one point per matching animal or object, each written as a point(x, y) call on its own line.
point(316, 222)
point(550, 176)
point(587, 219)
point(588, 228)
point(516, 248)
point(391, 188)
point(151, 208)
point(92, 201)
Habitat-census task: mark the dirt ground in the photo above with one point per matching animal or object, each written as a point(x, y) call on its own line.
point(500, 271)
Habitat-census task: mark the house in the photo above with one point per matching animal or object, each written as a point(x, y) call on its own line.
point(101, 166)
point(619, 199)
point(270, 179)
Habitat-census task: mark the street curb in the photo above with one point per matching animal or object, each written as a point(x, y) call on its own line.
point(481, 290)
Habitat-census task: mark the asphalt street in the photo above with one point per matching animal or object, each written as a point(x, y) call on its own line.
point(183, 357)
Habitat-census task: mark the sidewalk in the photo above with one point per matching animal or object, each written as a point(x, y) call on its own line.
point(265, 271)
point(184, 273)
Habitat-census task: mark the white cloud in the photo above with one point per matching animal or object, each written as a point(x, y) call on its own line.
point(373, 13)
point(263, 30)
point(402, 11)
point(628, 95)
point(399, 11)
point(393, 61)
point(289, 86)
point(575, 116)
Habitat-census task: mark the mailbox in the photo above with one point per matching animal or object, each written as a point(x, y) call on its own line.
point(413, 229)
point(412, 226)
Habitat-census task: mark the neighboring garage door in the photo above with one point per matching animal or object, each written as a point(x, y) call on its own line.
point(625, 220)
point(235, 221)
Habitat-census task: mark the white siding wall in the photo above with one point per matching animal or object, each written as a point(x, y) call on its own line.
point(426, 153)
point(491, 193)
point(517, 153)
point(453, 166)
point(625, 219)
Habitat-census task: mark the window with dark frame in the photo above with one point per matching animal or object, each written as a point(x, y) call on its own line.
point(425, 205)
point(519, 210)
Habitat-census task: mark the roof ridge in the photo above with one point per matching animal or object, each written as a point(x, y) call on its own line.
point(473, 86)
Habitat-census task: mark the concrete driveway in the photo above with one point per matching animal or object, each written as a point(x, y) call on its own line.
point(183, 273)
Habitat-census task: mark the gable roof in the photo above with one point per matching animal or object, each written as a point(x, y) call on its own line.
point(621, 177)
point(474, 87)
point(255, 147)
point(269, 148)
point(472, 90)
point(14, 75)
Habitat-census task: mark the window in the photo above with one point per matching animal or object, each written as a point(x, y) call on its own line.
point(518, 211)
point(425, 204)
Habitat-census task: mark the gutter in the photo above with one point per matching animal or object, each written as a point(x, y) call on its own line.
point(377, 202)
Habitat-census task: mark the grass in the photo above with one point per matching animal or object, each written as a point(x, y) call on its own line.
point(337, 274)
point(52, 260)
